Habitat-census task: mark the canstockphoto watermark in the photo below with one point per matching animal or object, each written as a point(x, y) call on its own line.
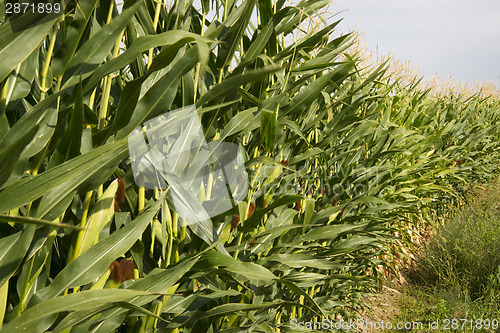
point(325, 324)
point(357, 324)
point(207, 179)
point(204, 179)
point(331, 325)
point(317, 187)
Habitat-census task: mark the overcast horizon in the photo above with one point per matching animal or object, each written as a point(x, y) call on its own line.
point(457, 39)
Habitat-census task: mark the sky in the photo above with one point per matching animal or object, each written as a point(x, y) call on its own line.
point(458, 39)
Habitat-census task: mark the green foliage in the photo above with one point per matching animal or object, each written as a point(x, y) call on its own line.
point(344, 164)
point(464, 251)
point(457, 274)
point(420, 305)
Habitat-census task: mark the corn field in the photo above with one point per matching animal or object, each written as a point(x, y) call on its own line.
point(346, 167)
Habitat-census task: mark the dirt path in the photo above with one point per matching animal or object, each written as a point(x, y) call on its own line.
point(384, 308)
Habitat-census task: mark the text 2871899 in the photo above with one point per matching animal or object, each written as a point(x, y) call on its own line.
point(32, 7)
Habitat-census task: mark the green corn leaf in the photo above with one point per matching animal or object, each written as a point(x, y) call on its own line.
point(19, 82)
point(4, 293)
point(32, 220)
point(231, 42)
point(70, 175)
point(20, 37)
point(100, 215)
point(237, 123)
point(233, 82)
point(268, 128)
point(19, 143)
point(74, 34)
point(12, 251)
point(252, 222)
point(34, 319)
point(157, 99)
point(171, 41)
point(69, 146)
point(159, 280)
point(90, 55)
point(308, 209)
point(312, 91)
point(92, 263)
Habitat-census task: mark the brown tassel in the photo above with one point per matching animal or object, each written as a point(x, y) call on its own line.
point(127, 268)
point(117, 206)
point(265, 203)
point(298, 206)
point(122, 271)
point(285, 162)
point(120, 193)
point(251, 209)
point(235, 221)
point(116, 273)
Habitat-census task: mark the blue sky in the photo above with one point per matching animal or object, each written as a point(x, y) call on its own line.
point(459, 38)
